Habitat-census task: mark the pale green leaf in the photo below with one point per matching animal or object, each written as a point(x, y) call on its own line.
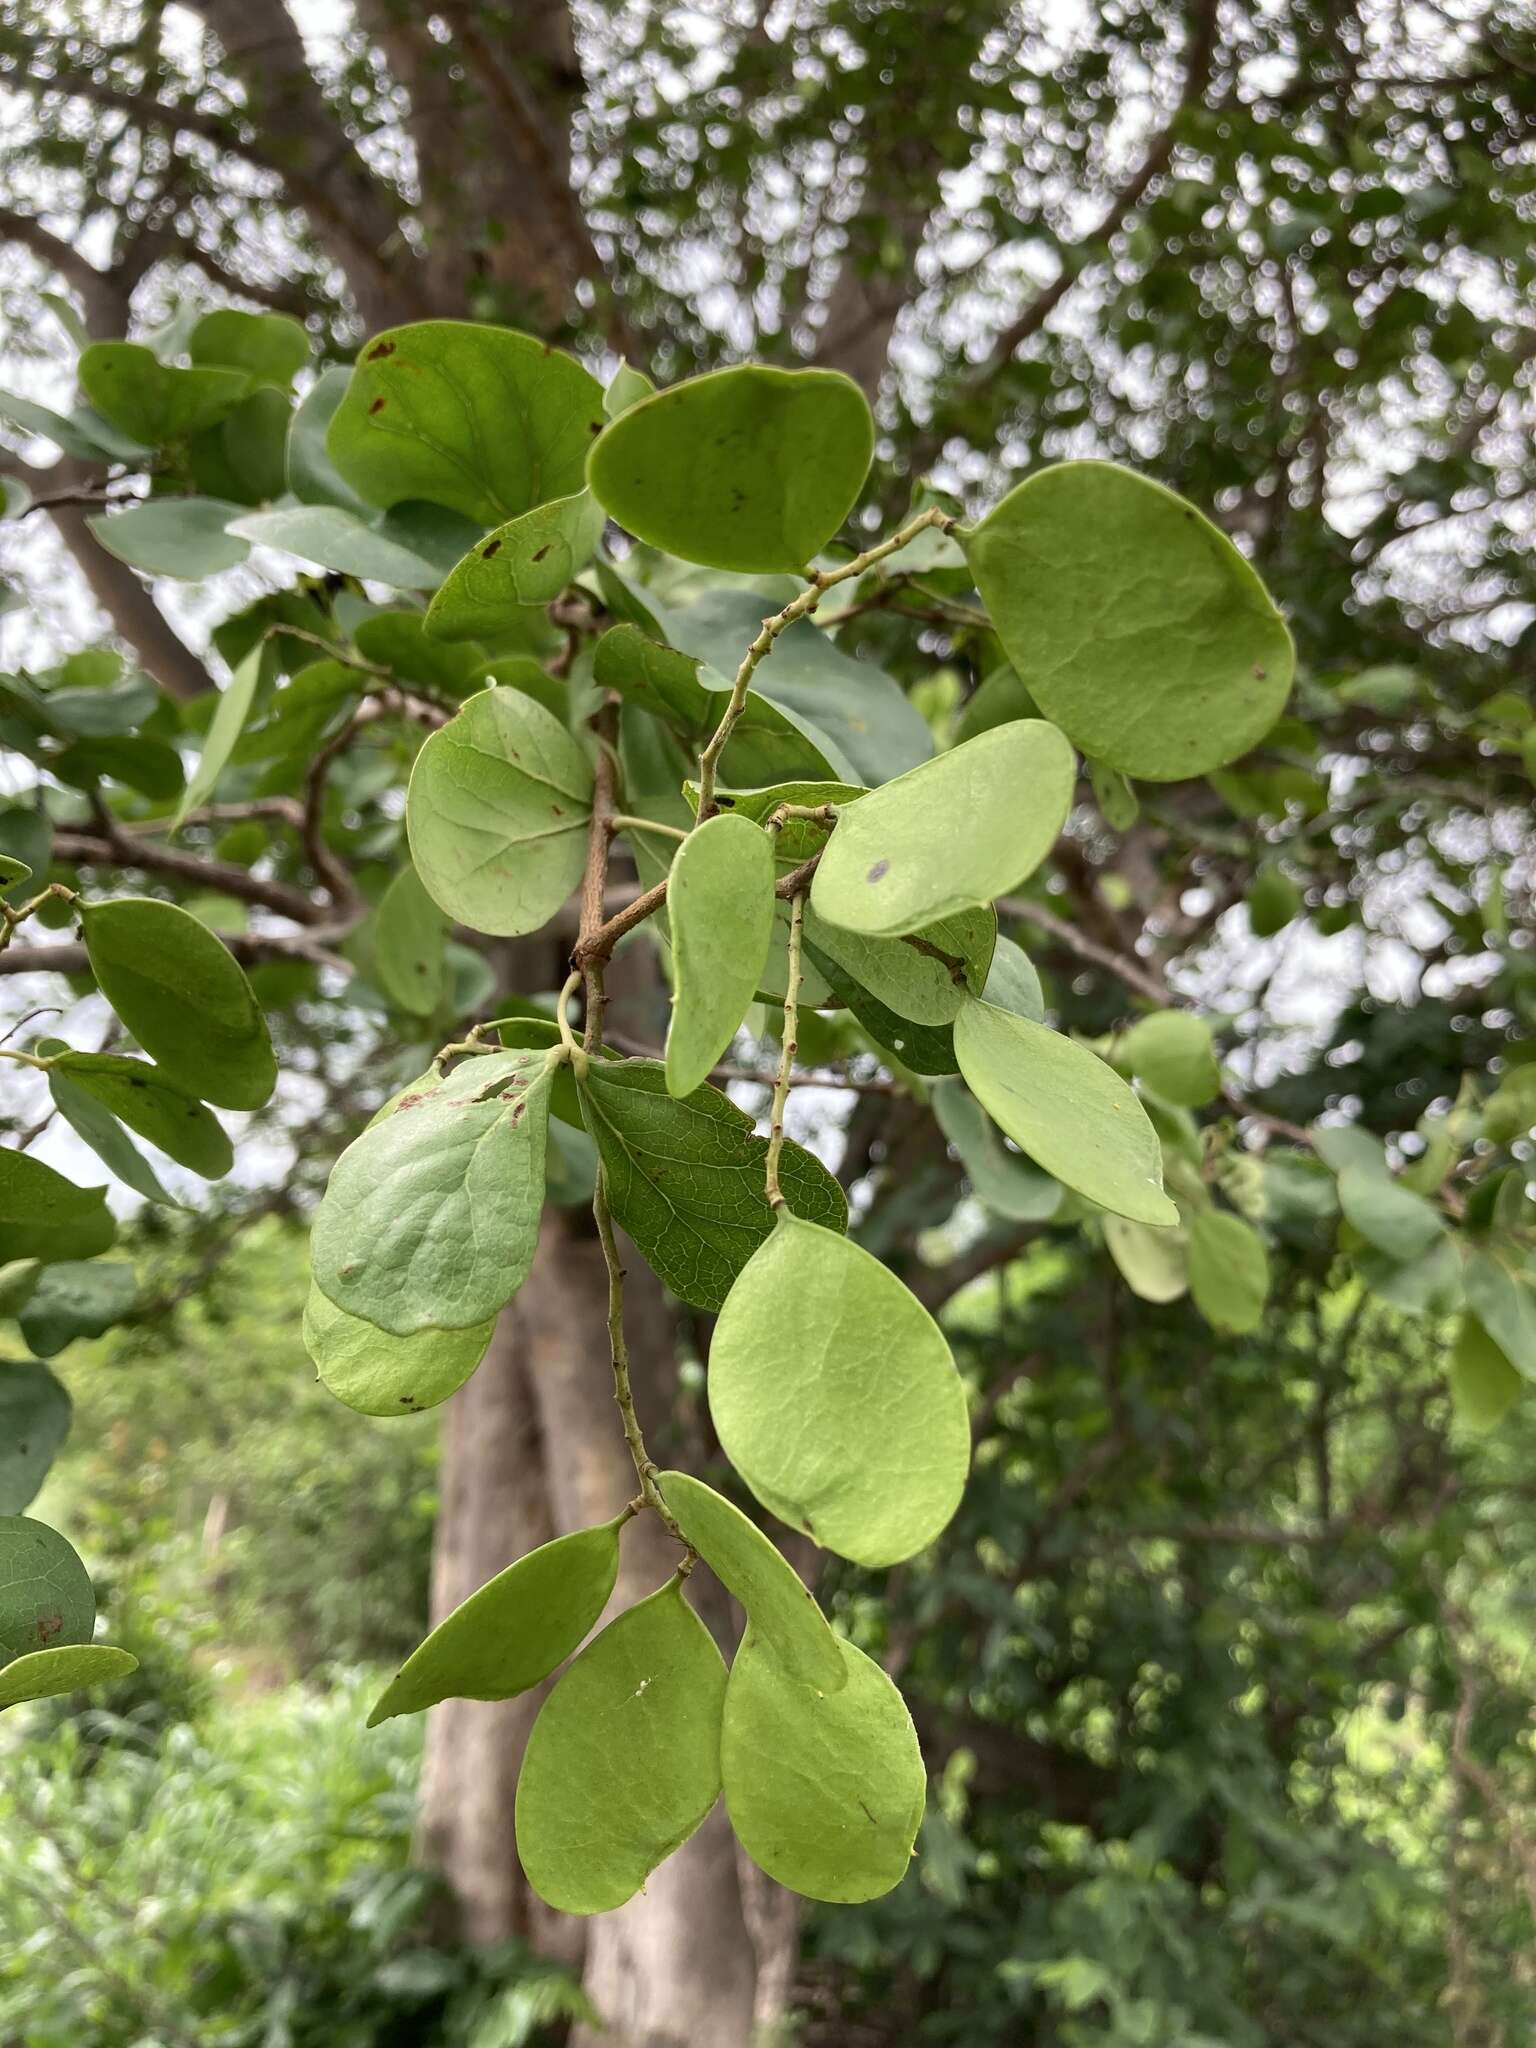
point(48, 1674)
point(1388, 1215)
point(271, 348)
point(34, 1421)
point(46, 1599)
point(1152, 1263)
point(624, 1760)
point(311, 475)
point(431, 1217)
point(515, 1630)
point(1013, 982)
point(409, 941)
point(949, 835)
point(626, 387)
point(923, 977)
point(1005, 1183)
point(474, 417)
point(1173, 1054)
point(45, 1216)
point(224, 729)
point(377, 1373)
point(747, 468)
point(1067, 1108)
point(720, 903)
point(1505, 1304)
point(1484, 1385)
point(528, 561)
point(754, 1571)
point(333, 538)
point(183, 997)
point(685, 1177)
point(1136, 625)
point(497, 814)
point(1228, 1271)
point(183, 537)
point(815, 1337)
point(824, 1789)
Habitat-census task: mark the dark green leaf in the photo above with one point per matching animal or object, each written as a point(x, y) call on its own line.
point(44, 1216)
point(34, 1421)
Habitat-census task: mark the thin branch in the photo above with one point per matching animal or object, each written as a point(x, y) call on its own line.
point(116, 849)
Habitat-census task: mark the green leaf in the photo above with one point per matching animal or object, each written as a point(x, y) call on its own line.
point(271, 348)
point(26, 834)
point(224, 729)
point(746, 468)
point(1273, 901)
point(995, 806)
point(48, 1674)
point(1013, 982)
point(1114, 796)
point(816, 1337)
point(515, 1630)
point(497, 814)
point(1152, 1263)
point(626, 387)
point(13, 870)
point(477, 418)
point(336, 539)
point(1484, 1384)
point(754, 1571)
point(1067, 1108)
point(1136, 625)
point(867, 728)
point(71, 1301)
point(1173, 1054)
point(149, 766)
point(183, 997)
point(528, 561)
point(409, 946)
point(1388, 1215)
point(1007, 1184)
point(1510, 1111)
point(46, 1600)
point(1505, 1306)
point(923, 977)
point(379, 1374)
point(1228, 1271)
point(144, 1099)
point(925, 1048)
point(18, 1284)
point(100, 1129)
point(44, 1216)
point(824, 1789)
point(182, 537)
point(720, 903)
point(77, 434)
point(624, 1760)
point(34, 1421)
point(431, 1217)
point(153, 401)
point(685, 1177)
point(1431, 1284)
point(311, 475)
point(1343, 1146)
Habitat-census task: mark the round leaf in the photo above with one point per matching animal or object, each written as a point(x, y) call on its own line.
point(1228, 1271)
point(754, 1571)
point(380, 1374)
point(1067, 1108)
point(183, 997)
point(515, 1630)
point(46, 1600)
point(824, 1789)
point(1136, 625)
point(183, 537)
point(528, 561)
point(624, 1760)
point(497, 814)
point(747, 468)
point(34, 1421)
point(815, 1338)
point(477, 418)
point(47, 1674)
point(956, 832)
point(1172, 1053)
point(1152, 1263)
point(720, 903)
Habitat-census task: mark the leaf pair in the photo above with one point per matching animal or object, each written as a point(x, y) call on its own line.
point(47, 1615)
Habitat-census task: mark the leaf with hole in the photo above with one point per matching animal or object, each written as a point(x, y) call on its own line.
point(512, 1633)
point(747, 468)
point(1172, 1053)
point(624, 1760)
point(45, 1216)
point(477, 418)
point(376, 1373)
point(1067, 1108)
point(720, 903)
point(995, 805)
point(824, 1789)
point(431, 1218)
point(184, 998)
point(1134, 622)
point(46, 1599)
point(528, 561)
point(814, 1338)
point(685, 1177)
point(497, 814)
point(1228, 1271)
point(754, 1571)
point(49, 1674)
point(34, 1421)
point(1005, 1183)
